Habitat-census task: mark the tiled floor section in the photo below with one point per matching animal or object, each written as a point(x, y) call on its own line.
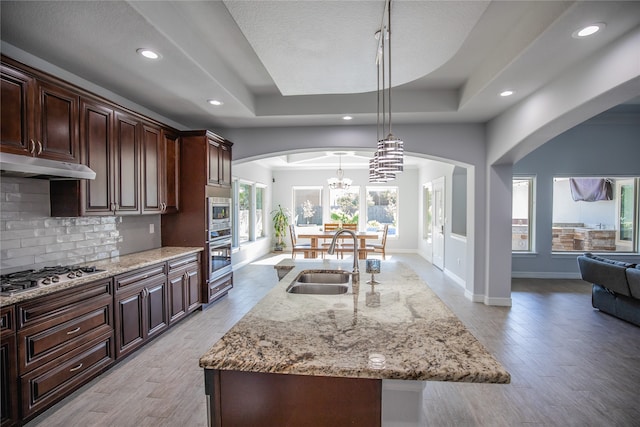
point(570, 364)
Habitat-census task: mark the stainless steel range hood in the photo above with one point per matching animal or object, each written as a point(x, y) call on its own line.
point(34, 167)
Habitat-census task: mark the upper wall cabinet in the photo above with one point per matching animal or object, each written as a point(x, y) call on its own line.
point(38, 118)
point(136, 159)
point(210, 155)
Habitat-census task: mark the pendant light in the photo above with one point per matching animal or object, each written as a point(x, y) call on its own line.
point(339, 182)
point(388, 159)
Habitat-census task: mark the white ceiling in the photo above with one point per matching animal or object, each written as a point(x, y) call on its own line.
point(308, 63)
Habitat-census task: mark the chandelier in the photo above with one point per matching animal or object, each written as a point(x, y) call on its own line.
point(388, 159)
point(339, 182)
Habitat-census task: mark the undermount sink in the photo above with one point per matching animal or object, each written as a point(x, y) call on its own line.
point(320, 282)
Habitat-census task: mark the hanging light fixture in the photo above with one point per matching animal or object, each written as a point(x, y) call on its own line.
point(389, 157)
point(339, 182)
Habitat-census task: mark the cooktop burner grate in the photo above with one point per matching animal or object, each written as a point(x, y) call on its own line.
point(29, 279)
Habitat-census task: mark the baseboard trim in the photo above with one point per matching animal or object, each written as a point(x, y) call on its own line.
point(545, 275)
point(502, 302)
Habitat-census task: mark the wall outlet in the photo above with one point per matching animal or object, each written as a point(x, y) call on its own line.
point(152, 228)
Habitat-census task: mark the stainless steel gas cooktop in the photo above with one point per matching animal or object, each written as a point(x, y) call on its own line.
point(26, 280)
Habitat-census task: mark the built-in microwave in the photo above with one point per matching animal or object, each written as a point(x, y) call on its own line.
point(219, 218)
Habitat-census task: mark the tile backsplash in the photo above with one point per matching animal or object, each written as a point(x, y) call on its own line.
point(31, 238)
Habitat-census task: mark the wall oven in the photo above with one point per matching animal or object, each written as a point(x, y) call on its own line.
point(219, 235)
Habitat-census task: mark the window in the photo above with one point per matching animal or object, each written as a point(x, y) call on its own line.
point(522, 214)
point(307, 205)
point(260, 213)
point(595, 214)
point(345, 205)
point(244, 212)
point(250, 217)
point(382, 208)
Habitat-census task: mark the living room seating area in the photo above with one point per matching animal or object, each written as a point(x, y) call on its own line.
point(616, 286)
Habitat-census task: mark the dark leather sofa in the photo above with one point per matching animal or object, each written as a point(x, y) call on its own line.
point(616, 286)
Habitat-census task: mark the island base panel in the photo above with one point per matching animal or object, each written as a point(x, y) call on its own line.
point(249, 398)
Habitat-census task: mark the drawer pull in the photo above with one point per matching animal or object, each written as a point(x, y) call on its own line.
point(74, 331)
point(75, 368)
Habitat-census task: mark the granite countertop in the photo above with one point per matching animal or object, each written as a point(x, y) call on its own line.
point(335, 335)
point(112, 267)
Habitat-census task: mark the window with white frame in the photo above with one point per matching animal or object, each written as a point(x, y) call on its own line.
point(307, 205)
point(345, 205)
point(244, 212)
point(522, 214)
point(260, 213)
point(382, 209)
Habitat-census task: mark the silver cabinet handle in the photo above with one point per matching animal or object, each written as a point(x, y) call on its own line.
point(39, 148)
point(73, 331)
point(32, 146)
point(75, 368)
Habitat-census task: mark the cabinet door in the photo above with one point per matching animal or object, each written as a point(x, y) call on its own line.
point(225, 165)
point(56, 114)
point(177, 292)
point(213, 161)
point(126, 165)
point(193, 285)
point(130, 331)
point(96, 133)
point(152, 154)
point(16, 90)
point(171, 167)
point(156, 308)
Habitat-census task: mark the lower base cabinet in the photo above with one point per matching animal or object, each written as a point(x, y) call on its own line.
point(53, 344)
point(141, 307)
point(8, 369)
point(184, 286)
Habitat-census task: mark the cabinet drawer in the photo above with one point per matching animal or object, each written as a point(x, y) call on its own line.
point(51, 382)
point(7, 320)
point(127, 280)
point(62, 306)
point(175, 264)
point(44, 342)
point(220, 287)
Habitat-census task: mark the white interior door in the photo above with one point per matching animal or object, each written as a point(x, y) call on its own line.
point(438, 223)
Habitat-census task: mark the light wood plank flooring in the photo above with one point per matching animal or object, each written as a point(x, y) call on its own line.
point(570, 365)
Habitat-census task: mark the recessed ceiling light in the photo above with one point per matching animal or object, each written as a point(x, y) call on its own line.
point(214, 102)
point(506, 93)
point(347, 118)
point(588, 30)
point(148, 53)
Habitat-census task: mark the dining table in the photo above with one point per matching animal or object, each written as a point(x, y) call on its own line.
point(318, 237)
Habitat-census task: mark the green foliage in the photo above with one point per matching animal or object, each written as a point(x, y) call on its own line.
point(280, 219)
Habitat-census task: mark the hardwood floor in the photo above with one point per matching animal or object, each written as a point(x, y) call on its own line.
point(570, 365)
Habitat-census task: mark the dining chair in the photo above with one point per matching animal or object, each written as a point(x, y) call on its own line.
point(380, 247)
point(295, 246)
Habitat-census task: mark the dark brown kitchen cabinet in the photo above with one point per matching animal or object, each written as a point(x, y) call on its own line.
point(219, 160)
point(9, 415)
point(64, 340)
point(39, 118)
point(56, 123)
point(152, 170)
point(171, 167)
point(126, 165)
point(17, 88)
point(141, 307)
point(184, 286)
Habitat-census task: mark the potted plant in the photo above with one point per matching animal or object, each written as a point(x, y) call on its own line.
point(280, 219)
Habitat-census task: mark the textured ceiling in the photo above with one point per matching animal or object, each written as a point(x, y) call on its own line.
point(312, 48)
point(308, 63)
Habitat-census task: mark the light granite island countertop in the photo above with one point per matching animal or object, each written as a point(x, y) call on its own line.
point(335, 336)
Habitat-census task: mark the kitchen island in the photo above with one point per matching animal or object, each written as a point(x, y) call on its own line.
point(334, 360)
